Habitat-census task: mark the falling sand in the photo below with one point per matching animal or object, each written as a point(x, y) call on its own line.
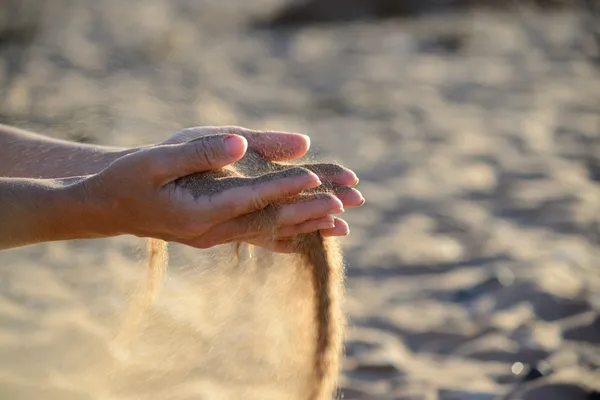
point(277, 326)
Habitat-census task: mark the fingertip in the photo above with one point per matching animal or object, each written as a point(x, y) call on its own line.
point(306, 145)
point(351, 177)
point(341, 228)
point(350, 197)
point(338, 207)
point(297, 145)
point(326, 225)
point(280, 146)
point(313, 180)
point(302, 141)
point(235, 145)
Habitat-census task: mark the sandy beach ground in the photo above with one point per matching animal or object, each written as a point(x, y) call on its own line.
point(477, 140)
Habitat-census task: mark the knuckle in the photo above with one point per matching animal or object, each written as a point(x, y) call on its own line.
point(205, 153)
point(151, 163)
point(257, 200)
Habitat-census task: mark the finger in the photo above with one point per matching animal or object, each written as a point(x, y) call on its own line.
point(341, 228)
point(238, 196)
point(279, 146)
point(311, 207)
point(333, 173)
point(306, 227)
point(268, 222)
point(280, 244)
point(349, 197)
point(276, 146)
point(169, 162)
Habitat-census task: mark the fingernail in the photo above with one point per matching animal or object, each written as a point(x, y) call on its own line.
point(352, 176)
point(306, 136)
point(235, 144)
point(362, 198)
point(313, 180)
point(337, 208)
point(307, 139)
point(326, 225)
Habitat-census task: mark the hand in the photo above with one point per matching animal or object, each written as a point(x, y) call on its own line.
point(283, 146)
point(136, 194)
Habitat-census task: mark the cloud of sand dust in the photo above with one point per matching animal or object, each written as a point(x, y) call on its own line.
point(217, 332)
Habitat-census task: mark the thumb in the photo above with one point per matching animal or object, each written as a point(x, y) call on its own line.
point(202, 154)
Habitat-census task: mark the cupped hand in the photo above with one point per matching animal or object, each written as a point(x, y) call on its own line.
point(284, 147)
point(137, 194)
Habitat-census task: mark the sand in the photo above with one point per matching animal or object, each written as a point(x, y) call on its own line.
point(476, 139)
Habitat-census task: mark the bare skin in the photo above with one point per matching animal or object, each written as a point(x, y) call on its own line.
point(55, 190)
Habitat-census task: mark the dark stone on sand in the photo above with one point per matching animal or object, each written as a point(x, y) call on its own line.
point(533, 374)
point(358, 347)
point(556, 392)
point(374, 372)
point(353, 394)
point(460, 395)
point(468, 294)
point(524, 355)
point(537, 371)
point(547, 307)
point(19, 35)
point(587, 333)
point(324, 11)
point(593, 7)
point(19, 22)
point(593, 395)
point(449, 43)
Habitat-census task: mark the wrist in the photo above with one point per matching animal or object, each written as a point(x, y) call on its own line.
point(108, 156)
point(42, 210)
point(89, 215)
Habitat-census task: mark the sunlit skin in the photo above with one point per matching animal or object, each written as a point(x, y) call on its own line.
point(55, 190)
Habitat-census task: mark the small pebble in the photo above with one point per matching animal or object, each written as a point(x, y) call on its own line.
point(537, 371)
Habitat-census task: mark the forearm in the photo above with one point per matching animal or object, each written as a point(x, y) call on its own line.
point(25, 154)
point(40, 210)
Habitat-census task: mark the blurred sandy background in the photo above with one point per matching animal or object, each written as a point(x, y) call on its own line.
point(476, 135)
